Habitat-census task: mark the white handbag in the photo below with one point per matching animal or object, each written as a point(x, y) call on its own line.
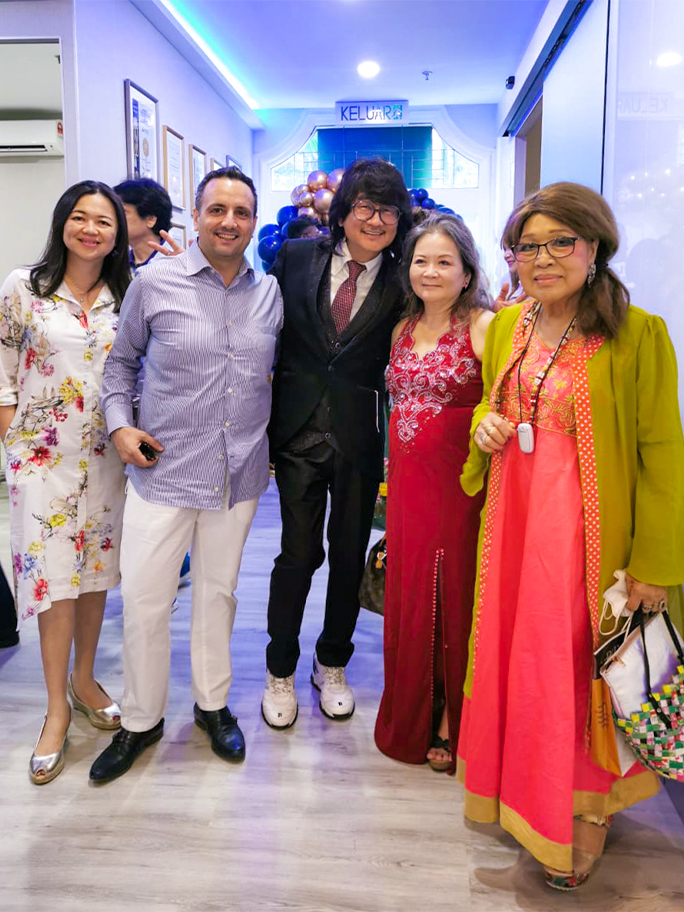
point(645, 675)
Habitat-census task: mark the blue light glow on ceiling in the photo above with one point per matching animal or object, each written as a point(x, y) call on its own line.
point(181, 15)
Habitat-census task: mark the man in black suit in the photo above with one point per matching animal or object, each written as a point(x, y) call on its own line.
point(342, 299)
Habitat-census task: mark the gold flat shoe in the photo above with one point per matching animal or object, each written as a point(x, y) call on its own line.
point(108, 719)
point(43, 769)
point(588, 843)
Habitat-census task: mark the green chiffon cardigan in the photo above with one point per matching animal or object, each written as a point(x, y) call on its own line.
point(637, 464)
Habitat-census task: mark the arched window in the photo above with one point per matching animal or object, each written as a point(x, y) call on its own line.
point(420, 153)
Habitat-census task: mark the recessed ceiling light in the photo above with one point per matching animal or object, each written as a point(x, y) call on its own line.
point(368, 69)
point(669, 58)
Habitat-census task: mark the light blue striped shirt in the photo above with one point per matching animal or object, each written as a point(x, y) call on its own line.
point(207, 391)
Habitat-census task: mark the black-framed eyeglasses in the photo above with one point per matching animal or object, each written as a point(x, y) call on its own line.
point(364, 211)
point(558, 248)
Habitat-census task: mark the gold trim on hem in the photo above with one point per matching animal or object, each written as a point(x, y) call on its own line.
point(552, 854)
point(623, 793)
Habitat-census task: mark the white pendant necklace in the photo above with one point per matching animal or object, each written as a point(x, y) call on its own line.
point(525, 429)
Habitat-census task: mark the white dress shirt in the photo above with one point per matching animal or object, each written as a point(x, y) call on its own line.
point(339, 271)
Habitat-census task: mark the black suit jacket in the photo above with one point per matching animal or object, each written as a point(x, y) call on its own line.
point(349, 372)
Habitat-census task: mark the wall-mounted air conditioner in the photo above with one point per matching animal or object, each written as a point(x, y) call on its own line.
point(38, 138)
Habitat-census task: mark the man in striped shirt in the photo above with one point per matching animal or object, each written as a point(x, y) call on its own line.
point(197, 462)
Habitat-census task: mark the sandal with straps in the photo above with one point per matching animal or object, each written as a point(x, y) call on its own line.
point(589, 833)
point(440, 766)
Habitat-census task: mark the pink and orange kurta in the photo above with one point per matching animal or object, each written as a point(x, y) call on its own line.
point(523, 752)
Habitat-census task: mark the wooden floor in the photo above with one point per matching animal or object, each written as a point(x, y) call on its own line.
point(315, 820)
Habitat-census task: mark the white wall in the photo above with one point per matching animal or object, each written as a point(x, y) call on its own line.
point(50, 19)
point(574, 96)
point(116, 42)
point(28, 190)
point(530, 59)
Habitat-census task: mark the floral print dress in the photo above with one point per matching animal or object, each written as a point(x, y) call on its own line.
point(64, 475)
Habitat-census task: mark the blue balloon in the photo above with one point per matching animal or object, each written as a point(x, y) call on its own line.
point(447, 211)
point(286, 214)
point(267, 230)
point(286, 227)
point(269, 247)
point(421, 194)
point(428, 203)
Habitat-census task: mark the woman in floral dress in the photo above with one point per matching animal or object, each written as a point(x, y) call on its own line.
point(65, 478)
point(435, 380)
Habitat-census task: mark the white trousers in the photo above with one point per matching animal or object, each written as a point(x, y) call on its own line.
point(154, 542)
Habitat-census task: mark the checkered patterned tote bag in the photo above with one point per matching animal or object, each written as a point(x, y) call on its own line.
point(646, 680)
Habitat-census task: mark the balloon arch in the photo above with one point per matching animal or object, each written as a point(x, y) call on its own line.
point(314, 199)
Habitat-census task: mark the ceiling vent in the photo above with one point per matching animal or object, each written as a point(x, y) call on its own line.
point(32, 138)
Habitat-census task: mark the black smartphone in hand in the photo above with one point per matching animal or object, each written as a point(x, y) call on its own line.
point(148, 451)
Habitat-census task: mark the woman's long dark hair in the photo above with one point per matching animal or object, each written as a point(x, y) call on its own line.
point(452, 227)
point(48, 273)
point(603, 304)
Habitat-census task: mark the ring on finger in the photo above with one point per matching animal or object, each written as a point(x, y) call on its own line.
point(489, 429)
point(662, 605)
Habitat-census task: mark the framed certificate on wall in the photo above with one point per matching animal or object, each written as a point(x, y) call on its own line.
point(174, 172)
point(232, 163)
point(142, 132)
point(198, 169)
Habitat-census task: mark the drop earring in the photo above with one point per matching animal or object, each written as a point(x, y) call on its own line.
point(591, 273)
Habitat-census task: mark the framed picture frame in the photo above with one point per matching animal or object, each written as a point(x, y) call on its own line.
point(215, 164)
point(174, 171)
point(198, 168)
point(232, 163)
point(179, 234)
point(142, 132)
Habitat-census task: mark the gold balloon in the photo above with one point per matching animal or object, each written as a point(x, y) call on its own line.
point(317, 180)
point(296, 194)
point(334, 179)
point(305, 198)
point(322, 200)
point(324, 219)
point(307, 210)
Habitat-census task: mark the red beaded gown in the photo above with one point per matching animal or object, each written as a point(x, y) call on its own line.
point(432, 530)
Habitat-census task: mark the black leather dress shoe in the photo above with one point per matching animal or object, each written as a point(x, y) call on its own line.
point(226, 738)
point(125, 748)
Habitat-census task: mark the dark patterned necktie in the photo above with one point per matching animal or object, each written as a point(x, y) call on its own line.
point(342, 305)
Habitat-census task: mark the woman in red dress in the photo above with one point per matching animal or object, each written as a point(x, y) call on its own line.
point(434, 380)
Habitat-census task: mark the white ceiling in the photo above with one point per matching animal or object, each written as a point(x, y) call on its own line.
point(304, 53)
point(30, 77)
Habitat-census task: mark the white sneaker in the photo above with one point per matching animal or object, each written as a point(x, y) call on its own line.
point(279, 703)
point(337, 697)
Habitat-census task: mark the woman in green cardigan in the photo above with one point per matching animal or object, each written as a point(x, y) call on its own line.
point(579, 429)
